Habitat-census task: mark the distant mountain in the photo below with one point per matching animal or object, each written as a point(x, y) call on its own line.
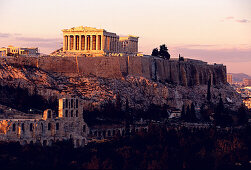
point(238, 77)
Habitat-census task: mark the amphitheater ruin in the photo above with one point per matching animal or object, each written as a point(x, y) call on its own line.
point(68, 123)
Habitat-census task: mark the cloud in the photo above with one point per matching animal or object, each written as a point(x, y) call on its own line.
point(229, 18)
point(36, 39)
point(215, 55)
point(5, 35)
point(242, 20)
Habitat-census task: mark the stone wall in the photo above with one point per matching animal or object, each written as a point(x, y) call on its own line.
point(186, 73)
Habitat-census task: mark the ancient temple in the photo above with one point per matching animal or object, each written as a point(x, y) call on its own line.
point(98, 42)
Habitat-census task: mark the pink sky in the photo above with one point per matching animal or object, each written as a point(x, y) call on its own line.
point(211, 30)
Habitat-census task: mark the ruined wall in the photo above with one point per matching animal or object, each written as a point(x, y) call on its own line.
point(186, 73)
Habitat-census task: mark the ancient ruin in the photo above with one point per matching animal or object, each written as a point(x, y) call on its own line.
point(98, 42)
point(67, 123)
point(19, 51)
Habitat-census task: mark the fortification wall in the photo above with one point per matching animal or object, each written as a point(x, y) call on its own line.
point(186, 73)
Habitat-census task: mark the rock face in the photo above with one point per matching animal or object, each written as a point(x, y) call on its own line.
point(185, 73)
point(142, 81)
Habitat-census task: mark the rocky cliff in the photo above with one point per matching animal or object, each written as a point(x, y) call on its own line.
point(166, 82)
point(185, 73)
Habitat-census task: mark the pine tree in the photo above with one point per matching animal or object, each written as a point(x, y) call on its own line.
point(183, 113)
point(209, 90)
point(193, 113)
point(163, 52)
point(155, 52)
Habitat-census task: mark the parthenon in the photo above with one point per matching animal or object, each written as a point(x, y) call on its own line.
point(98, 42)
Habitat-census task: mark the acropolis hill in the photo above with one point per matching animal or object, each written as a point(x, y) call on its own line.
point(98, 65)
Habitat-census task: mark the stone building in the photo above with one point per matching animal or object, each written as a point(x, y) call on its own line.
point(67, 123)
point(230, 78)
point(98, 42)
point(21, 51)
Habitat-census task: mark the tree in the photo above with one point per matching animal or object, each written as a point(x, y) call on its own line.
point(209, 90)
point(183, 113)
point(181, 58)
point(192, 116)
point(163, 52)
point(242, 114)
point(155, 52)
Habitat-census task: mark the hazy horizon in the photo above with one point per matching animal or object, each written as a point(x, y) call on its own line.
point(212, 31)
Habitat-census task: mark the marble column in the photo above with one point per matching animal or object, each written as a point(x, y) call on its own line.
point(69, 42)
point(85, 42)
point(79, 42)
point(74, 42)
point(97, 42)
point(64, 43)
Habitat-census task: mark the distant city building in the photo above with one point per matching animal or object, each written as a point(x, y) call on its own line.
point(18, 51)
point(98, 42)
point(247, 82)
point(230, 78)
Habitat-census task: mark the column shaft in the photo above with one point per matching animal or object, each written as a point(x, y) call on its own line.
point(74, 42)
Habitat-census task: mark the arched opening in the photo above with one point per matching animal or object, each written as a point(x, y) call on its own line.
point(49, 126)
point(50, 142)
point(109, 133)
point(24, 142)
point(104, 133)
point(44, 142)
point(14, 127)
point(57, 126)
point(49, 114)
point(77, 143)
point(66, 113)
point(84, 128)
point(31, 142)
point(38, 142)
point(83, 142)
point(22, 127)
point(42, 127)
point(31, 127)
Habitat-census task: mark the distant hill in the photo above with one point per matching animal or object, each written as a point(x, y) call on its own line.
point(238, 77)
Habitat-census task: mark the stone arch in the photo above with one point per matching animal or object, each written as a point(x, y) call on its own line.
point(42, 127)
point(38, 142)
point(83, 142)
point(13, 127)
point(50, 142)
point(22, 127)
point(24, 142)
point(108, 133)
point(31, 127)
point(118, 132)
point(104, 133)
point(44, 142)
point(77, 143)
